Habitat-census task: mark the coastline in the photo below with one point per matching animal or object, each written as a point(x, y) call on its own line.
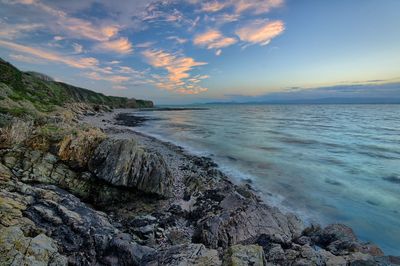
point(103, 194)
point(176, 156)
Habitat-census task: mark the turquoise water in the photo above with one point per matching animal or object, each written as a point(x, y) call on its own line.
point(327, 163)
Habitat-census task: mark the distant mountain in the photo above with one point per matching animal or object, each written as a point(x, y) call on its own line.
point(372, 92)
point(319, 101)
point(31, 91)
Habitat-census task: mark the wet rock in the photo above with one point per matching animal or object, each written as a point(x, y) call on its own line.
point(240, 255)
point(340, 240)
point(124, 163)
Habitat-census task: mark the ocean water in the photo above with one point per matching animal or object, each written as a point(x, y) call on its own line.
point(327, 163)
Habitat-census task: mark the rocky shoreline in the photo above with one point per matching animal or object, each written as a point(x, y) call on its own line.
point(124, 198)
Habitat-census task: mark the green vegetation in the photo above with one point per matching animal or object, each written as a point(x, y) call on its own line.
point(27, 93)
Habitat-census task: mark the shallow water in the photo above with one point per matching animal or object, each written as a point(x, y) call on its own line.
point(327, 163)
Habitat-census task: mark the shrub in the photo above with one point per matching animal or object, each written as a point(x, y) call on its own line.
point(16, 133)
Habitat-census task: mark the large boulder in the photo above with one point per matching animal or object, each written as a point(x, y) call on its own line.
point(32, 166)
point(236, 220)
point(124, 163)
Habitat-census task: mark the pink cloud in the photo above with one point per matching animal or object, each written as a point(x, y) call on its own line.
point(106, 35)
point(213, 39)
point(85, 62)
point(260, 32)
point(112, 78)
point(121, 46)
point(240, 6)
point(213, 6)
point(178, 68)
point(13, 31)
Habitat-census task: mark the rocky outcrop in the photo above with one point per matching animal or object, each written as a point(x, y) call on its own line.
point(229, 215)
point(50, 202)
point(124, 163)
point(44, 225)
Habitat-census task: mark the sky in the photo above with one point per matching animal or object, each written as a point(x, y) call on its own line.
point(192, 51)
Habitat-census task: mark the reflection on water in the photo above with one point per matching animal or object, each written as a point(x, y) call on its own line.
point(329, 163)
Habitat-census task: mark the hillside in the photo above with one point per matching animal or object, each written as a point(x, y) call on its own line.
point(28, 93)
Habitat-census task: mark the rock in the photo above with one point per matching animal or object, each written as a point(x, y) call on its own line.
point(45, 168)
point(276, 254)
point(241, 220)
point(123, 251)
point(61, 227)
point(240, 255)
point(340, 240)
point(5, 173)
point(78, 149)
point(124, 163)
point(18, 249)
point(186, 254)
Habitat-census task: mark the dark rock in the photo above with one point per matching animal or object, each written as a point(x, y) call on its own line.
point(185, 254)
point(123, 251)
point(72, 229)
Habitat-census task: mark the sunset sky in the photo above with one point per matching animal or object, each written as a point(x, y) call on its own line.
point(188, 51)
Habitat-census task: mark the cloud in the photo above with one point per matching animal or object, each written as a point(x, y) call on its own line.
point(59, 21)
point(145, 44)
point(212, 6)
point(177, 39)
point(222, 19)
point(119, 87)
point(256, 6)
point(213, 39)
point(260, 32)
point(78, 49)
point(24, 58)
point(11, 32)
point(84, 62)
point(178, 68)
point(111, 78)
point(121, 46)
point(75, 26)
point(58, 38)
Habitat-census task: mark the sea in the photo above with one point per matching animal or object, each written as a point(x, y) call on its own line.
point(326, 163)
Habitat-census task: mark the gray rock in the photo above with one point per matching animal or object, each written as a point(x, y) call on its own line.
point(243, 255)
point(186, 254)
point(124, 163)
point(72, 230)
point(243, 221)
